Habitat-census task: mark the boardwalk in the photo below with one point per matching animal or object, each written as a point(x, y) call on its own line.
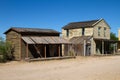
point(81, 68)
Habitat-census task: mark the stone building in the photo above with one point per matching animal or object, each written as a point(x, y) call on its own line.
point(89, 37)
point(119, 34)
point(35, 43)
point(118, 42)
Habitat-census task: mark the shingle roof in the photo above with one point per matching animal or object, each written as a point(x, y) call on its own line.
point(74, 25)
point(31, 30)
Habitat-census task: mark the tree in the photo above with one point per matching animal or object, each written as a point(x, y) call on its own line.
point(113, 36)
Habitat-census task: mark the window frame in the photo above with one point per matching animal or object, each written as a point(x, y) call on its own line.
point(83, 31)
point(99, 29)
point(105, 31)
point(67, 32)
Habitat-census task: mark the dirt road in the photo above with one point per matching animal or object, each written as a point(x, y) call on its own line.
point(81, 68)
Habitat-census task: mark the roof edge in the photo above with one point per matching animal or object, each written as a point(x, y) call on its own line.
point(14, 29)
point(9, 30)
point(97, 21)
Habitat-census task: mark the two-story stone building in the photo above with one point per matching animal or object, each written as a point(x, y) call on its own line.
point(89, 37)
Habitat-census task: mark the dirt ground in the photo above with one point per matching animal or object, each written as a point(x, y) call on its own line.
point(81, 68)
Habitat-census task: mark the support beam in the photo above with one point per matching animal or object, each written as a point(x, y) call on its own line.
point(114, 47)
point(45, 51)
point(102, 47)
point(38, 51)
point(59, 50)
point(84, 47)
point(20, 48)
point(68, 50)
point(62, 49)
point(26, 50)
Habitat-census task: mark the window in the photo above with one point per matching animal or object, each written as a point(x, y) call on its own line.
point(83, 30)
point(104, 31)
point(67, 33)
point(99, 28)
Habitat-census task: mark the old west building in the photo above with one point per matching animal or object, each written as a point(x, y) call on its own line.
point(35, 43)
point(89, 37)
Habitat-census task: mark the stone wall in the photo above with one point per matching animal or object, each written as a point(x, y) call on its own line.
point(23, 50)
point(72, 33)
point(77, 32)
point(119, 34)
point(93, 47)
point(103, 25)
point(15, 39)
point(88, 31)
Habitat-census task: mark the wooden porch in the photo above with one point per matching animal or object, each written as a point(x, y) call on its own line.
point(50, 58)
point(46, 48)
point(106, 47)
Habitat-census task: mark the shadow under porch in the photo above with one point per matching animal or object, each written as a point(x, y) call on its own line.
point(42, 47)
point(104, 46)
point(44, 51)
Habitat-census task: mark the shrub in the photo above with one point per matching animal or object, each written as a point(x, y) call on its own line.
point(5, 51)
point(2, 58)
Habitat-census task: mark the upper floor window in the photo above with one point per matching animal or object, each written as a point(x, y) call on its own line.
point(104, 31)
point(99, 28)
point(67, 32)
point(83, 31)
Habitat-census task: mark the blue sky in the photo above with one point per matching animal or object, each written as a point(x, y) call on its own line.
point(55, 14)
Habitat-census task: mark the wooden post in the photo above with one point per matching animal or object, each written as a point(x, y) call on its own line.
point(68, 50)
point(59, 50)
point(45, 50)
point(20, 48)
point(102, 47)
point(84, 47)
point(114, 48)
point(26, 50)
point(62, 49)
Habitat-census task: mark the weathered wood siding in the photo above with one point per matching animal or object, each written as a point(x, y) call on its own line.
point(53, 50)
point(93, 47)
point(15, 39)
point(33, 53)
point(23, 50)
point(103, 25)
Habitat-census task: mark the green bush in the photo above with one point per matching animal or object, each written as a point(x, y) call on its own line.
point(2, 58)
point(5, 51)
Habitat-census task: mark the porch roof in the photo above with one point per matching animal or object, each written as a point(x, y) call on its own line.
point(80, 39)
point(45, 40)
point(107, 40)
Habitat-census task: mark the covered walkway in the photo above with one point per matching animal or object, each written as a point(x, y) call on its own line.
point(44, 47)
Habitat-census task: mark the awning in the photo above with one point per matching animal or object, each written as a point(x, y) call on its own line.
point(106, 40)
point(80, 39)
point(45, 40)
